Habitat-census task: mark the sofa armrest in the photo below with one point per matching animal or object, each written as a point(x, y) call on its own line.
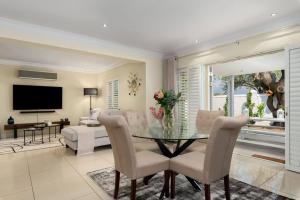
point(84, 118)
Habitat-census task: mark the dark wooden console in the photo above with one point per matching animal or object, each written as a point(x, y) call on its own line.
point(15, 127)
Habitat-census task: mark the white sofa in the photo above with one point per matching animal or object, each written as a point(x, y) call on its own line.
point(71, 137)
point(101, 137)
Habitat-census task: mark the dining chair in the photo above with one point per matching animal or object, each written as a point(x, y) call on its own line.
point(214, 164)
point(137, 121)
point(133, 164)
point(204, 122)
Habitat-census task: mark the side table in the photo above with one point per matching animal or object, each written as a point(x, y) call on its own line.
point(55, 129)
point(33, 131)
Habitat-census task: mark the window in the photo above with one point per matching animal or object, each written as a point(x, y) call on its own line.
point(113, 94)
point(191, 85)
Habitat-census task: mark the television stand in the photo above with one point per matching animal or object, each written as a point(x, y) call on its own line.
point(37, 111)
point(15, 127)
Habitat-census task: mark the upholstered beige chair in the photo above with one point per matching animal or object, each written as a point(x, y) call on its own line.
point(214, 164)
point(137, 120)
point(204, 122)
point(127, 161)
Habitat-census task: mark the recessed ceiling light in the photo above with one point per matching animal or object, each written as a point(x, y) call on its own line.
point(273, 14)
point(196, 41)
point(104, 25)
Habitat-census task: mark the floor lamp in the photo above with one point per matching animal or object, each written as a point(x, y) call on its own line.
point(90, 92)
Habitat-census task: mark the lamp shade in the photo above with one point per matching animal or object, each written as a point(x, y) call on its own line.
point(90, 91)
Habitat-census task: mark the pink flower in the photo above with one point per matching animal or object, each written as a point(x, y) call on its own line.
point(159, 114)
point(158, 95)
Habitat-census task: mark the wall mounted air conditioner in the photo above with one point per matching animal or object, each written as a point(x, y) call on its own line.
point(28, 74)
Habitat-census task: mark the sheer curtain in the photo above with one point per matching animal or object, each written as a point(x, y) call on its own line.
point(169, 74)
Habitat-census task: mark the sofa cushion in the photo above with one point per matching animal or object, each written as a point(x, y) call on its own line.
point(95, 113)
point(70, 132)
point(88, 121)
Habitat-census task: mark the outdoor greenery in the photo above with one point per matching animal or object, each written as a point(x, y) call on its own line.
point(225, 107)
point(261, 110)
point(249, 104)
point(270, 83)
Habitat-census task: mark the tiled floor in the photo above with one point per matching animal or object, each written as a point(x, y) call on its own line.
point(58, 174)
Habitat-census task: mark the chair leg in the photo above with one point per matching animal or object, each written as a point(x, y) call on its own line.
point(207, 192)
point(167, 185)
point(117, 183)
point(172, 185)
point(227, 189)
point(133, 189)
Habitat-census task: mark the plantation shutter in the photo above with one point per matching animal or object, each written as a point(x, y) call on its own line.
point(183, 104)
point(113, 94)
point(293, 111)
point(191, 85)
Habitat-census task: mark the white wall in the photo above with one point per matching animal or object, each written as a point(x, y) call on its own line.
point(249, 46)
point(122, 73)
point(75, 104)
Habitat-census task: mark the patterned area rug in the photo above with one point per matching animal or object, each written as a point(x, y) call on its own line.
point(105, 178)
point(17, 145)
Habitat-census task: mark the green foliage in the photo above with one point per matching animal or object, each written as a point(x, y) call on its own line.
point(168, 100)
point(225, 107)
point(252, 81)
point(282, 107)
point(249, 104)
point(261, 110)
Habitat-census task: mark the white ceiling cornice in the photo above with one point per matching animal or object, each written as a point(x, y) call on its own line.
point(288, 21)
point(22, 31)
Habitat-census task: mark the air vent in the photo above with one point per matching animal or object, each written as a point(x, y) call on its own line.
point(37, 75)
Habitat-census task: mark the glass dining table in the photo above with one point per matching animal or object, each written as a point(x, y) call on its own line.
point(178, 138)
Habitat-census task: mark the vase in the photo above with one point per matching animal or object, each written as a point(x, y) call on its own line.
point(168, 120)
point(10, 120)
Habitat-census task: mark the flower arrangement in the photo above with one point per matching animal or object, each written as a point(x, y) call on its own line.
point(157, 114)
point(167, 99)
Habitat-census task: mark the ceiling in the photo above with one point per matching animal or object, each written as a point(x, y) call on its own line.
point(167, 26)
point(26, 54)
point(269, 62)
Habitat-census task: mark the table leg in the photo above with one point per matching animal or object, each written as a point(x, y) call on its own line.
point(147, 179)
point(164, 149)
point(55, 131)
point(24, 138)
point(15, 133)
point(178, 145)
point(42, 135)
point(179, 149)
point(193, 183)
point(183, 147)
point(49, 132)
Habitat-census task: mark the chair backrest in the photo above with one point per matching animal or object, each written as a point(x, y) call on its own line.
point(136, 120)
point(120, 139)
point(205, 119)
point(221, 142)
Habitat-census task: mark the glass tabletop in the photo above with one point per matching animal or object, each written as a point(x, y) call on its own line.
point(154, 131)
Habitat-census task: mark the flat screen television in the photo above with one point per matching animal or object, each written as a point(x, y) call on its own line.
point(29, 97)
